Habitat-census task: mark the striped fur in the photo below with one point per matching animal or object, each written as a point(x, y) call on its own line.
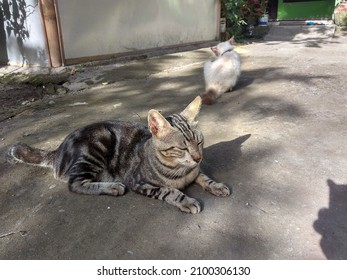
point(109, 157)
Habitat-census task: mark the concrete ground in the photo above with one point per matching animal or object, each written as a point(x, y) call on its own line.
point(279, 140)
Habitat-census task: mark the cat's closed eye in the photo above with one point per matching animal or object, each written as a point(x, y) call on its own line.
point(174, 152)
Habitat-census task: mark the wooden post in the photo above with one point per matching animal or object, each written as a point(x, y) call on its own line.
point(48, 10)
point(219, 8)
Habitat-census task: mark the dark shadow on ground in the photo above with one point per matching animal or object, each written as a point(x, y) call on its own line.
point(332, 223)
point(244, 81)
point(264, 106)
point(227, 153)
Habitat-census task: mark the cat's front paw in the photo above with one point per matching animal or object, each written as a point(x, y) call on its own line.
point(219, 189)
point(190, 205)
point(115, 189)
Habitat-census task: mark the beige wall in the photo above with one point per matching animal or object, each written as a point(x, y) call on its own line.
point(22, 38)
point(96, 28)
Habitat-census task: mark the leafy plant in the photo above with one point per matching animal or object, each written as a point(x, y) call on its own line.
point(231, 10)
point(239, 13)
point(252, 10)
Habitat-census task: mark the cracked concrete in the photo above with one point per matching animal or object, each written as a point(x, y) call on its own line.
point(278, 140)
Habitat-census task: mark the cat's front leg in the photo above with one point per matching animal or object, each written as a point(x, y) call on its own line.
point(218, 189)
point(97, 188)
point(170, 195)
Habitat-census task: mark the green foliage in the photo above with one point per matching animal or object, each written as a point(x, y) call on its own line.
point(239, 13)
point(231, 10)
point(252, 9)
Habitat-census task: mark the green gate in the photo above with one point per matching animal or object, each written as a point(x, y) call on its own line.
point(305, 9)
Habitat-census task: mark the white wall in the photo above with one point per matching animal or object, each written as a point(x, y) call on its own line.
point(23, 50)
point(95, 28)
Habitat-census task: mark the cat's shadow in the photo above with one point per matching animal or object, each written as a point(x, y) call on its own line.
point(332, 223)
point(223, 156)
point(219, 161)
point(243, 82)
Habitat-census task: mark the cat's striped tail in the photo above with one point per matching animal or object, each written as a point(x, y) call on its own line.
point(209, 97)
point(21, 152)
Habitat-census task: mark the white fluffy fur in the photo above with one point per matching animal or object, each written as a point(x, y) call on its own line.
point(222, 74)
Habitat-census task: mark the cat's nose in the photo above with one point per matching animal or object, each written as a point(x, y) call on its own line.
point(196, 158)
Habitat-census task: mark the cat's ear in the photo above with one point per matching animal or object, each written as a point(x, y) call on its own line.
point(232, 40)
point(192, 110)
point(215, 50)
point(157, 124)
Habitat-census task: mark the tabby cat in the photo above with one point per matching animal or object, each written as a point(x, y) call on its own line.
point(107, 157)
point(222, 74)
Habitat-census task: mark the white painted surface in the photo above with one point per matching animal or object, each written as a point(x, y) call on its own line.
point(22, 50)
point(93, 28)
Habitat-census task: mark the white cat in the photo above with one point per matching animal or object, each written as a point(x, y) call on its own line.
point(222, 74)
